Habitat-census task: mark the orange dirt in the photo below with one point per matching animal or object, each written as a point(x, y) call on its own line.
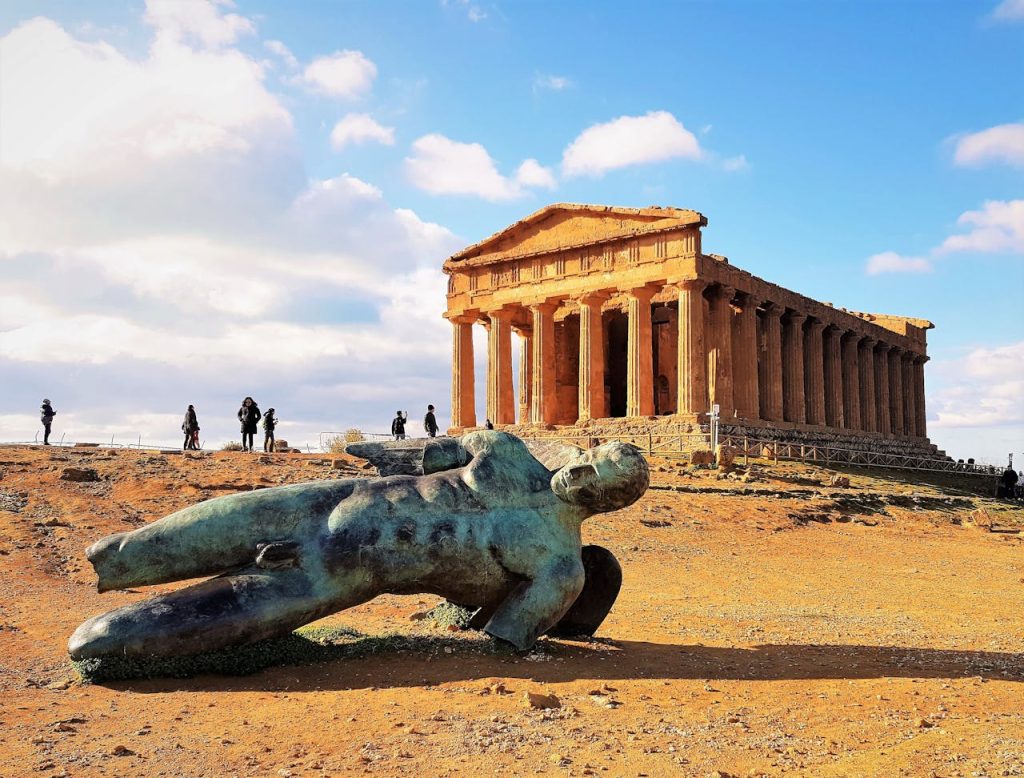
point(755, 634)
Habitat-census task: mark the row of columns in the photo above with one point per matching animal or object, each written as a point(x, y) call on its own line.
point(754, 358)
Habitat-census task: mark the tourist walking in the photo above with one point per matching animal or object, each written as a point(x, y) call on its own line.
point(269, 425)
point(190, 426)
point(249, 416)
point(1007, 484)
point(46, 414)
point(430, 423)
point(398, 425)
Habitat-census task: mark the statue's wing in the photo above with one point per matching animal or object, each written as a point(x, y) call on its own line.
point(391, 457)
point(553, 454)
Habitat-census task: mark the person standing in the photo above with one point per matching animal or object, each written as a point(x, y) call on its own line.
point(190, 426)
point(269, 425)
point(430, 423)
point(398, 425)
point(249, 415)
point(46, 414)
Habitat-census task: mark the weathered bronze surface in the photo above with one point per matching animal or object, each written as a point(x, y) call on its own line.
point(501, 534)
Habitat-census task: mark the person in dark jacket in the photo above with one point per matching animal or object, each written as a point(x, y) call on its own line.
point(249, 416)
point(190, 426)
point(430, 423)
point(46, 414)
point(1007, 482)
point(269, 425)
point(488, 424)
point(398, 425)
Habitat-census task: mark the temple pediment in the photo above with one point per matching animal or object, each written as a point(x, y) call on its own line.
point(565, 225)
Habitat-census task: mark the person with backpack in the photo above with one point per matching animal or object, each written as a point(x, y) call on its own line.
point(269, 425)
point(430, 423)
point(46, 414)
point(248, 415)
point(398, 425)
point(190, 426)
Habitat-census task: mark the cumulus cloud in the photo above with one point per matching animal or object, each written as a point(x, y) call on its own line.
point(1001, 144)
point(1009, 11)
point(981, 389)
point(356, 128)
point(161, 239)
point(198, 21)
point(629, 140)
point(344, 74)
point(280, 50)
point(443, 166)
point(891, 262)
point(997, 228)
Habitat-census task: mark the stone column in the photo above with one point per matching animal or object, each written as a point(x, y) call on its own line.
point(909, 395)
point(592, 403)
point(544, 394)
point(744, 359)
point(463, 387)
point(833, 377)
point(921, 423)
point(721, 350)
point(851, 382)
point(500, 403)
point(814, 372)
point(640, 354)
point(691, 364)
point(896, 390)
point(771, 356)
point(793, 403)
point(525, 334)
point(882, 389)
point(868, 407)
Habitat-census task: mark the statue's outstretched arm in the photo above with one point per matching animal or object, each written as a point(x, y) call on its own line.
point(536, 605)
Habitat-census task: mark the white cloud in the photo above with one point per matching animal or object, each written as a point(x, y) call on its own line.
point(440, 165)
point(473, 11)
point(282, 52)
point(554, 83)
point(1003, 143)
point(356, 128)
point(997, 228)
point(737, 164)
point(532, 174)
point(629, 140)
point(1009, 11)
point(199, 21)
point(343, 74)
point(982, 389)
point(891, 262)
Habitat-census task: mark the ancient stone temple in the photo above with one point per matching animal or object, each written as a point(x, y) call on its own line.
point(621, 314)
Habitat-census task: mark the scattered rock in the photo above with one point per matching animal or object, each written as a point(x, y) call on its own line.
point(79, 474)
point(122, 751)
point(541, 701)
point(840, 481)
point(702, 457)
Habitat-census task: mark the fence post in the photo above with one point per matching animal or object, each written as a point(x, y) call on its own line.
point(776, 457)
point(746, 452)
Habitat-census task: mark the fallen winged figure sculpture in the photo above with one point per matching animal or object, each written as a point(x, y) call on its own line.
point(487, 526)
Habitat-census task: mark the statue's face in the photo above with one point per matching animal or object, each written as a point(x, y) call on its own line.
point(603, 479)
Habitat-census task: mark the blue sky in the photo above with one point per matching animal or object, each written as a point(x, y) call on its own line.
point(178, 221)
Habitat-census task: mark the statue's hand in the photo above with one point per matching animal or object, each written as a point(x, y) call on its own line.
point(277, 555)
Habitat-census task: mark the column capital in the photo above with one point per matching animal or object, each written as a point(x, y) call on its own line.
point(548, 306)
point(817, 325)
point(642, 293)
point(750, 300)
point(797, 318)
point(468, 317)
point(501, 314)
point(882, 347)
point(593, 298)
point(920, 359)
point(690, 284)
point(726, 292)
point(868, 342)
point(774, 310)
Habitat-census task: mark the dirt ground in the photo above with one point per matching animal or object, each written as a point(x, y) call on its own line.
point(765, 626)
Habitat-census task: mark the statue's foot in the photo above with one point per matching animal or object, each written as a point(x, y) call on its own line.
point(604, 579)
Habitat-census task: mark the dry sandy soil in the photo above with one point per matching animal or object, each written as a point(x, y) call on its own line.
point(796, 628)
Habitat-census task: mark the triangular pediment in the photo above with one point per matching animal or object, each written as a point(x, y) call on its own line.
point(567, 224)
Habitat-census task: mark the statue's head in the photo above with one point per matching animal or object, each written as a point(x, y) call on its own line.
point(603, 479)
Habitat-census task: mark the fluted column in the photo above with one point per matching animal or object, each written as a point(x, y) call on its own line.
point(500, 407)
point(814, 372)
point(592, 401)
point(921, 423)
point(525, 371)
point(771, 362)
point(793, 404)
point(640, 354)
point(463, 388)
point(744, 359)
point(720, 353)
point(544, 395)
point(851, 382)
point(882, 389)
point(909, 396)
point(833, 377)
point(692, 389)
point(868, 408)
point(896, 390)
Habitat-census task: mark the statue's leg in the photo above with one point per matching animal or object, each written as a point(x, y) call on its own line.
point(604, 579)
point(229, 610)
